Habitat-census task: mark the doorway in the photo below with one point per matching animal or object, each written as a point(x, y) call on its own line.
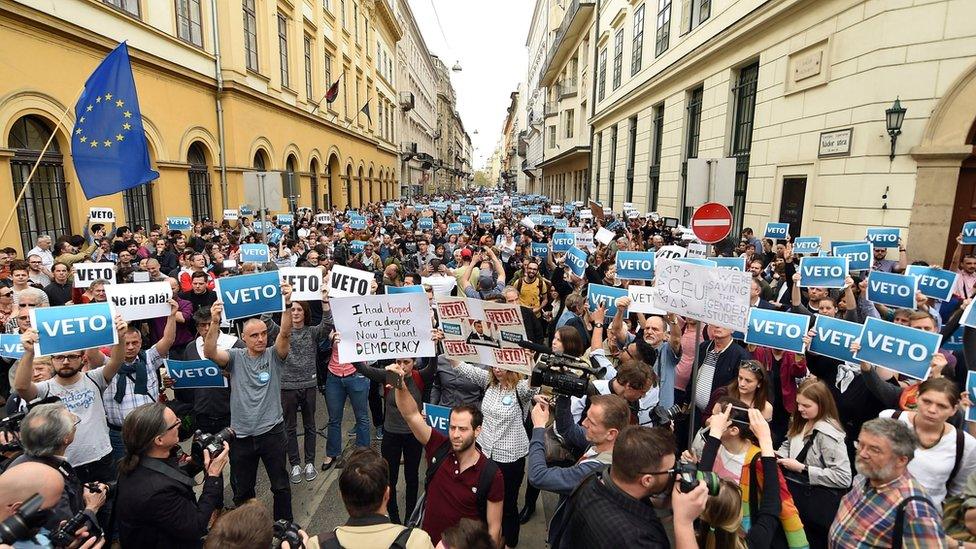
point(791, 205)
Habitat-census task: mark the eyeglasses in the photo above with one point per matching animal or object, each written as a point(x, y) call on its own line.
point(77, 420)
point(175, 425)
point(28, 304)
point(670, 472)
point(63, 358)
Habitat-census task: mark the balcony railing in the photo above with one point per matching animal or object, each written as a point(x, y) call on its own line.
point(569, 86)
point(551, 108)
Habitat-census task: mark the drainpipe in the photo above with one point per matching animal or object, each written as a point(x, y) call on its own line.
point(593, 73)
point(220, 106)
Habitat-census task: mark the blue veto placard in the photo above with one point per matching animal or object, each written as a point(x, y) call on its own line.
point(806, 245)
point(547, 221)
point(73, 328)
point(698, 261)
point(734, 263)
point(777, 231)
point(562, 242)
point(425, 223)
point(969, 315)
point(893, 290)
point(246, 210)
point(540, 249)
point(969, 232)
point(413, 289)
point(576, 259)
point(971, 391)
point(357, 246)
point(438, 417)
point(777, 330)
point(10, 346)
point(954, 342)
point(388, 211)
point(834, 244)
point(408, 224)
point(823, 272)
point(598, 294)
point(899, 348)
point(561, 224)
point(357, 223)
point(465, 220)
point(286, 219)
point(250, 295)
point(256, 253)
point(486, 219)
point(833, 337)
point(933, 282)
point(195, 374)
point(859, 256)
point(635, 265)
point(179, 223)
point(455, 228)
point(884, 237)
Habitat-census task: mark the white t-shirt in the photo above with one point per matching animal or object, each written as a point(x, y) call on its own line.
point(931, 466)
point(83, 399)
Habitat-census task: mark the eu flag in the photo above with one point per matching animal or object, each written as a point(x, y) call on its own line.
point(108, 145)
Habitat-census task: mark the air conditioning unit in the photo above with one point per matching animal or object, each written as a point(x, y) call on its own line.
point(406, 100)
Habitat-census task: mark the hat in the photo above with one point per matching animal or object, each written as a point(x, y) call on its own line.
point(466, 254)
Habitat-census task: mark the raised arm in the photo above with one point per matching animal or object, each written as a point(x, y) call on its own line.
point(598, 316)
point(283, 341)
point(169, 333)
point(408, 409)
point(25, 368)
point(210, 350)
point(117, 357)
point(496, 264)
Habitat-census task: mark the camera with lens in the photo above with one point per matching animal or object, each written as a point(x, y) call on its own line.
point(688, 477)
point(214, 443)
point(566, 375)
point(23, 524)
point(286, 530)
point(97, 488)
point(661, 416)
point(68, 532)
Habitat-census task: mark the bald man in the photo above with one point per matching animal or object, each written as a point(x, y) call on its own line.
point(22, 481)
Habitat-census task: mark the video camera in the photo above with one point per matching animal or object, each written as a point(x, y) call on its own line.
point(23, 524)
point(11, 423)
point(566, 375)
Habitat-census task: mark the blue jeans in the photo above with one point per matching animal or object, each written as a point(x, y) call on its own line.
point(337, 389)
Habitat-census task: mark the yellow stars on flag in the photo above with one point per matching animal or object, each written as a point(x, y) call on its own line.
point(127, 114)
point(88, 108)
point(98, 99)
point(119, 103)
point(107, 143)
point(83, 139)
point(94, 142)
point(126, 126)
point(108, 97)
point(119, 137)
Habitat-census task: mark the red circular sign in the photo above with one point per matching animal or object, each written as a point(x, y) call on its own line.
point(711, 222)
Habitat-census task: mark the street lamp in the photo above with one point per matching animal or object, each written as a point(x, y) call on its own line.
point(894, 116)
point(457, 66)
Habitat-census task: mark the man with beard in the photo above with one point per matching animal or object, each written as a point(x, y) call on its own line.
point(461, 481)
point(883, 491)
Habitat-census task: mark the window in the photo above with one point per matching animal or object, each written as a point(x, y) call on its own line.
point(250, 35)
point(602, 84)
point(308, 67)
point(638, 49)
point(618, 57)
point(631, 158)
point(552, 136)
point(663, 27)
point(570, 123)
point(657, 132)
point(199, 176)
point(128, 6)
point(44, 209)
point(342, 12)
point(313, 170)
point(380, 126)
point(355, 21)
point(288, 179)
point(188, 18)
point(283, 48)
point(613, 163)
point(745, 110)
point(691, 145)
point(694, 13)
point(139, 206)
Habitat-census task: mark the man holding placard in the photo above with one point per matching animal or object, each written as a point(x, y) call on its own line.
point(255, 405)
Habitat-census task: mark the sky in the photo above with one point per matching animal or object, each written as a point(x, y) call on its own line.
point(487, 37)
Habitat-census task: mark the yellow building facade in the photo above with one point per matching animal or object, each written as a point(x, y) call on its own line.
point(277, 59)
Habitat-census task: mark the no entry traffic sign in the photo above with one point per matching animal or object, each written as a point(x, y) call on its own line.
point(711, 222)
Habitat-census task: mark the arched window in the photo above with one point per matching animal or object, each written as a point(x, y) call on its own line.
point(44, 209)
point(138, 204)
point(199, 175)
point(313, 170)
point(259, 163)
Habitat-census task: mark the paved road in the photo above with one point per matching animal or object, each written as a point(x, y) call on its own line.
point(317, 506)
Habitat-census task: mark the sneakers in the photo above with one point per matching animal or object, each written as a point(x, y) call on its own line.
point(296, 474)
point(379, 433)
point(310, 473)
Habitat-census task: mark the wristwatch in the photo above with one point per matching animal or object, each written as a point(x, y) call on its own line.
point(598, 324)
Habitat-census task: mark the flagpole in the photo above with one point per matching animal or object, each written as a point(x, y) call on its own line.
point(30, 176)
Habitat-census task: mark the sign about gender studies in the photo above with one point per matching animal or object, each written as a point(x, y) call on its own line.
point(576, 259)
point(859, 256)
point(777, 330)
point(777, 231)
point(635, 265)
point(195, 374)
point(438, 417)
point(833, 338)
point(823, 272)
point(250, 295)
point(10, 346)
point(899, 348)
point(598, 294)
point(932, 282)
point(884, 237)
point(138, 301)
point(893, 290)
point(73, 327)
point(806, 245)
point(255, 253)
point(711, 295)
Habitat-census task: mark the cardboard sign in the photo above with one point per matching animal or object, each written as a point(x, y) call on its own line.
point(379, 327)
point(73, 328)
point(806, 245)
point(305, 282)
point(323, 219)
point(357, 223)
point(10, 346)
point(971, 390)
point(585, 214)
point(933, 282)
point(671, 252)
point(465, 220)
point(635, 265)
point(255, 253)
point(969, 315)
point(604, 236)
point(698, 261)
point(261, 226)
point(697, 250)
point(576, 260)
point(823, 272)
point(833, 338)
point(859, 256)
point(86, 273)
point(195, 374)
point(389, 211)
point(540, 249)
point(585, 240)
point(143, 276)
point(141, 300)
point(777, 330)
point(357, 246)
point(347, 282)
point(486, 219)
point(642, 300)
point(562, 242)
point(414, 289)
point(893, 290)
point(179, 223)
point(561, 224)
point(101, 215)
point(483, 332)
point(707, 294)
point(902, 349)
point(231, 215)
point(954, 342)
point(246, 210)
point(425, 223)
point(455, 228)
point(285, 220)
point(598, 294)
point(884, 237)
point(734, 263)
point(438, 417)
point(777, 231)
point(250, 295)
point(969, 233)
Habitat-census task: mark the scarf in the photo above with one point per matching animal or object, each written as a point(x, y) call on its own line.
point(789, 517)
point(845, 375)
point(138, 367)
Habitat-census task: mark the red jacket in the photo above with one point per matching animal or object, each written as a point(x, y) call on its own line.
point(790, 369)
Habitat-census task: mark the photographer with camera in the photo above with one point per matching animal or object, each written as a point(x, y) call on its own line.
point(156, 505)
point(28, 494)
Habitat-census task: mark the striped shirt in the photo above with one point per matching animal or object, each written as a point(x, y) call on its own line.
point(115, 412)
